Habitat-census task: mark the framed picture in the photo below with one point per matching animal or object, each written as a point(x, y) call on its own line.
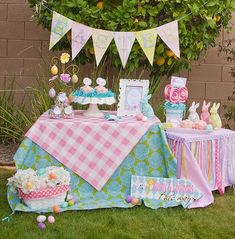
point(131, 93)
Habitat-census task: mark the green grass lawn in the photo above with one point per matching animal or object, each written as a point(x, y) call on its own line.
point(215, 221)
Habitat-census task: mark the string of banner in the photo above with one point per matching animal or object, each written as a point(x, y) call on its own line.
point(124, 41)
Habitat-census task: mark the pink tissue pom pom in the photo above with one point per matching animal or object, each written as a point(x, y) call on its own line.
point(183, 94)
point(167, 91)
point(174, 96)
point(65, 78)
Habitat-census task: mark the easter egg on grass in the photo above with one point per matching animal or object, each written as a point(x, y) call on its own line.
point(54, 70)
point(100, 5)
point(56, 209)
point(41, 225)
point(51, 219)
point(41, 218)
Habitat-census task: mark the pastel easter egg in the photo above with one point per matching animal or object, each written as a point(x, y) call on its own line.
point(52, 93)
point(56, 209)
point(74, 78)
point(209, 127)
point(41, 225)
point(52, 176)
point(139, 117)
point(51, 219)
point(64, 204)
point(135, 201)
point(29, 185)
point(70, 203)
point(54, 70)
point(128, 199)
point(41, 218)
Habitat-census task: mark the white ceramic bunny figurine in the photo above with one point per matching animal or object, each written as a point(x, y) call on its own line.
point(193, 115)
point(145, 108)
point(205, 115)
point(215, 118)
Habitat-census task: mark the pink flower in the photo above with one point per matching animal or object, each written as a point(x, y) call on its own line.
point(167, 91)
point(65, 78)
point(183, 94)
point(174, 96)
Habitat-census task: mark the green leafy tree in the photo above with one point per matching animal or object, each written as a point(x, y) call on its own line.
point(199, 25)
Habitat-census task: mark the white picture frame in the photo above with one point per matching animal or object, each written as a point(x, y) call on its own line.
point(131, 93)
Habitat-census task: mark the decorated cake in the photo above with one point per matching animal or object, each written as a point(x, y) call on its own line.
point(93, 96)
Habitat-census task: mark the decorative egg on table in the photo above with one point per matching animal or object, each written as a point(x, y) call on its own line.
point(41, 218)
point(51, 219)
point(209, 127)
point(54, 70)
point(52, 93)
point(41, 225)
point(29, 185)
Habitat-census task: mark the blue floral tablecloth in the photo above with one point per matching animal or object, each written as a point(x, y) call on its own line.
point(150, 157)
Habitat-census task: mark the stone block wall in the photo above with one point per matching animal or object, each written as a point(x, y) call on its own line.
point(23, 45)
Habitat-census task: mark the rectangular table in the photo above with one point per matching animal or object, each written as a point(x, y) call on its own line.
point(212, 155)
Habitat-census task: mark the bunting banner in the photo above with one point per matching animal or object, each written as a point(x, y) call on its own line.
point(124, 42)
point(147, 40)
point(59, 27)
point(80, 35)
point(101, 41)
point(170, 35)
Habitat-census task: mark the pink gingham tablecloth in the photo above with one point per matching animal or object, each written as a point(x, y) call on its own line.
point(93, 148)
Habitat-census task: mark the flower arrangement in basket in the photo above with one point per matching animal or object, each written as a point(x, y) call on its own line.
point(43, 188)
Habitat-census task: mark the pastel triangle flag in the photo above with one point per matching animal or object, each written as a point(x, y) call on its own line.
point(147, 40)
point(80, 36)
point(124, 42)
point(59, 27)
point(101, 41)
point(169, 33)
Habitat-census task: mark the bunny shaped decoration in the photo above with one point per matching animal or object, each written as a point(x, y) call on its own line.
point(215, 118)
point(193, 115)
point(205, 115)
point(145, 108)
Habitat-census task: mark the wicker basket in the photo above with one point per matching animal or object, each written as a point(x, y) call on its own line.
point(46, 198)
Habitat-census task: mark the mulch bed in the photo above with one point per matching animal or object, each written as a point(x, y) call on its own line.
point(6, 154)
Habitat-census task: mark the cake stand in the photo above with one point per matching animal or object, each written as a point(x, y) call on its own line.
point(93, 110)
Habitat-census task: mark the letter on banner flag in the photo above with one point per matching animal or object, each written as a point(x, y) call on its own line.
point(59, 27)
point(147, 40)
point(80, 35)
point(101, 41)
point(170, 35)
point(124, 42)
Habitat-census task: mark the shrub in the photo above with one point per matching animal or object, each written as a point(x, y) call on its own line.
point(200, 24)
